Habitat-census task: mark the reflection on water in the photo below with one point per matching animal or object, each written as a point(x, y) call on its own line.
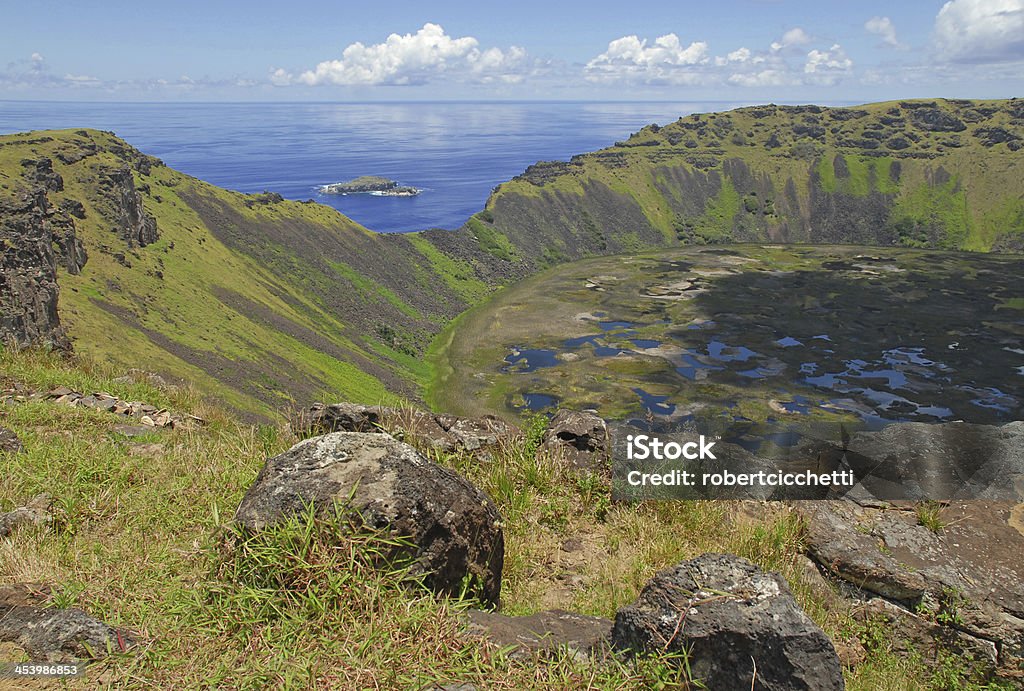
point(898, 347)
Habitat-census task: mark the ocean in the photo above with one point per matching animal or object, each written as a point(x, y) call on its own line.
point(456, 152)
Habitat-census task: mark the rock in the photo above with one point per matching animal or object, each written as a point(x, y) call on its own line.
point(456, 529)
point(970, 570)
point(135, 226)
point(475, 433)
point(28, 267)
point(42, 173)
point(544, 632)
point(909, 634)
point(131, 431)
point(935, 120)
point(954, 460)
point(740, 627)
point(443, 432)
point(35, 513)
point(580, 437)
point(340, 417)
point(9, 441)
point(54, 635)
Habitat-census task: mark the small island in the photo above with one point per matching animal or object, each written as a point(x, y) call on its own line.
point(370, 184)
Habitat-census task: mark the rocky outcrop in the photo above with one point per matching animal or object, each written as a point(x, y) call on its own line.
point(455, 529)
point(915, 460)
point(737, 626)
point(28, 274)
point(961, 563)
point(35, 237)
point(446, 433)
point(131, 221)
point(543, 633)
point(35, 513)
point(54, 635)
point(581, 438)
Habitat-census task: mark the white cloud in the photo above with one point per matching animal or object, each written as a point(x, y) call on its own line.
point(827, 66)
point(793, 38)
point(981, 30)
point(769, 77)
point(740, 56)
point(668, 62)
point(404, 59)
point(665, 60)
point(884, 29)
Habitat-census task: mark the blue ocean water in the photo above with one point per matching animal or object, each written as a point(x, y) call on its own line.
point(456, 152)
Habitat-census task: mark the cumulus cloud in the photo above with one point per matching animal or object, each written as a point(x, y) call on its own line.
point(768, 77)
point(981, 30)
point(827, 66)
point(666, 60)
point(412, 59)
point(884, 29)
point(794, 38)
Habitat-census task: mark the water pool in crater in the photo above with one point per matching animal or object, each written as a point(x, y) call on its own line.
point(765, 334)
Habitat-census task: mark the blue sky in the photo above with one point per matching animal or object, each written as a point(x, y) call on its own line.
point(724, 50)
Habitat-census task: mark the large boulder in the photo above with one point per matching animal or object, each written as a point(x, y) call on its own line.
point(579, 437)
point(739, 627)
point(456, 529)
point(961, 563)
point(54, 635)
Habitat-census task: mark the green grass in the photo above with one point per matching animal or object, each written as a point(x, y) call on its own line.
point(142, 538)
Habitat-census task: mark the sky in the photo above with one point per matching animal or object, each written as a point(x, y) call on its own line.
point(396, 50)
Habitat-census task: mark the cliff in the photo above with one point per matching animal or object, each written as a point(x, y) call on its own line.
point(934, 173)
point(259, 300)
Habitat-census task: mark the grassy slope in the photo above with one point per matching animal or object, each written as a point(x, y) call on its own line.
point(772, 172)
point(135, 541)
point(230, 299)
point(266, 303)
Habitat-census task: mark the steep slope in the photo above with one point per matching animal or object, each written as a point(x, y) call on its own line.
point(260, 300)
point(265, 302)
point(939, 173)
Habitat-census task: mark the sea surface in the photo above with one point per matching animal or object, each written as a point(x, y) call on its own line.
point(456, 152)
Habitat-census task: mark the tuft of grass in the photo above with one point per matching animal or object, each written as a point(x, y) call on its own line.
point(929, 515)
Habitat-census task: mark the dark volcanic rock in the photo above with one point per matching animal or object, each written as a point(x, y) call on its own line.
point(28, 274)
point(443, 432)
point(740, 627)
point(970, 568)
point(340, 417)
point(134, 224)
point(54, 635)
point(935, 120)
point(41, 172)
point(580, 437)
point(544, 632)
point(456, 529)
